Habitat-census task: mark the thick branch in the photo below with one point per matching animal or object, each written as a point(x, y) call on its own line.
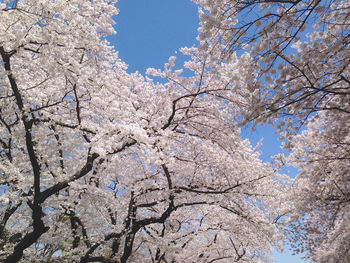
point(61, 185)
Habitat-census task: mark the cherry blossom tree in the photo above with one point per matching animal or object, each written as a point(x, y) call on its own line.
point(322, 197)
point(98, 165)
point(299, 53)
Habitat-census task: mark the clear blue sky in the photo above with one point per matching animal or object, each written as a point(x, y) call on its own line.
point(150, 31)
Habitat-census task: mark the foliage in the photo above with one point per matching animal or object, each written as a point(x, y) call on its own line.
point(98, 165)
point(300, 53)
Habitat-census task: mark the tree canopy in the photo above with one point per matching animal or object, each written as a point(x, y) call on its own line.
point(300, 54)
point(99, 165)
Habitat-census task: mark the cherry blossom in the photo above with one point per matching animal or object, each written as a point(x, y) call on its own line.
point(99, 165)
point(299, 51)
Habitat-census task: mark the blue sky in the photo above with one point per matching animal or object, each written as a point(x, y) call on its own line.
point(150, 31)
